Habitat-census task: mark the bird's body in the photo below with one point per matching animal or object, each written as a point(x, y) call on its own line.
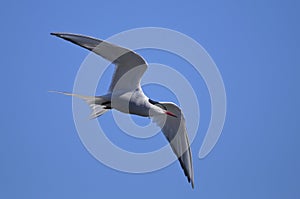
point(126, 95)
point(134, 102)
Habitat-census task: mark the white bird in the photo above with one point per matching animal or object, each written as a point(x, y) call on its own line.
point(126, 95)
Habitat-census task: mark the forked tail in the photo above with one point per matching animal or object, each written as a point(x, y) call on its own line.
point(99, 105)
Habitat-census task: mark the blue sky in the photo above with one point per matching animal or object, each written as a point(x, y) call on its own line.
point(255, 45)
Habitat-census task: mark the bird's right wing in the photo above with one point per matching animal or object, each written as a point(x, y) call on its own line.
point(130, 66)
point(174, 129)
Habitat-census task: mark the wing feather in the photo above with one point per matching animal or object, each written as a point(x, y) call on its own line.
point(130, 66)
point(174, 129)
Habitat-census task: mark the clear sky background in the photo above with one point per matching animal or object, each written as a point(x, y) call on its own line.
point(255, 45)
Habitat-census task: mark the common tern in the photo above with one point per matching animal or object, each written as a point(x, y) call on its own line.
point(125, 94)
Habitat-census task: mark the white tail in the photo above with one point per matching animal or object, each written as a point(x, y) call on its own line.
point(98, 104)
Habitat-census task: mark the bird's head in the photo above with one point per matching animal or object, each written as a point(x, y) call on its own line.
point(158, 108)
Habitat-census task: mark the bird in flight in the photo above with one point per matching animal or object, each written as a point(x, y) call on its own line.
point(126, 95)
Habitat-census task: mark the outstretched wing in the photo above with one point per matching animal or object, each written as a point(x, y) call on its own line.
point(174, 129)
point(130, 66)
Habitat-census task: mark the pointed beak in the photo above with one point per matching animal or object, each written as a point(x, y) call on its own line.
point(170, 114)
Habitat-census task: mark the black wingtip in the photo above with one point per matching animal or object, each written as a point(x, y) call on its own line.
point(190, 177)
point(191, 181)
point(57, 34)
point(66, 36)
point(54, 33)
point(61, 34)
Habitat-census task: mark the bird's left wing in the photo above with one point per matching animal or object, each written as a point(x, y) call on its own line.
point(174, 129)
point(129, 65)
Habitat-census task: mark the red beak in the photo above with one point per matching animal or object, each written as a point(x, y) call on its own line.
point(170, 113)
